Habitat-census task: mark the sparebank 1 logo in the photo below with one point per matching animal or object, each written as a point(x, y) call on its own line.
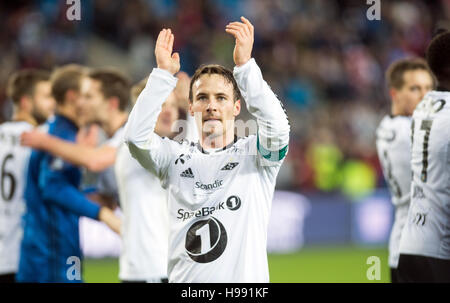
point(74, 10)
point(206, 240)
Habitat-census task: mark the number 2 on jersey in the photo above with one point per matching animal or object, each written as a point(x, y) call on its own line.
point(7, 193)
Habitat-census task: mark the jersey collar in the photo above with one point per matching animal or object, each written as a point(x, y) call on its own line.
point(218, 150)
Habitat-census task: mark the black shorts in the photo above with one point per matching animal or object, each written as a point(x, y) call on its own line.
point(395, 276)
point(414, 268)
point(8, 278)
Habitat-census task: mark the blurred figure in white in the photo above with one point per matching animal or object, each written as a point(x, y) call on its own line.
point(30, 91)
point(145, 227)
point(408, 80)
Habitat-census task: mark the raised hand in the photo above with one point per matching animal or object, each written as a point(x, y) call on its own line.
point(243, 32)
point(163, 52)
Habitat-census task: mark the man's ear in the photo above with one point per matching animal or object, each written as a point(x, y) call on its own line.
point(237, 107)
point(25, 103)
point(71, 96)
point(392, 93)
point(113, 102)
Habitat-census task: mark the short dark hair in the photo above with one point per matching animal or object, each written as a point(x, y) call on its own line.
point(23, 83)
point(113, 84)
point(438, 58)
point(210, 69)
point(395, 72)
point(65, 78)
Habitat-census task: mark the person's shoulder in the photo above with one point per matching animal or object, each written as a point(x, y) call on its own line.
point(246, 139)
point(247, 145)
point(179, 142)
point(16, 126)
point(62, 128)
point(434, 103)
point(391, 127)
point(181, 145)
point(384, 123)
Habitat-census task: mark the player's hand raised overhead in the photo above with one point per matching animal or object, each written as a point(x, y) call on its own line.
point(243, 32)
point(163, 52)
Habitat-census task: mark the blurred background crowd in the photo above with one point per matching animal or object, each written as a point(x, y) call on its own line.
point(324, 59)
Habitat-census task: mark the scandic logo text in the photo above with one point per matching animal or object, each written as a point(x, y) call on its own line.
point(216, 184)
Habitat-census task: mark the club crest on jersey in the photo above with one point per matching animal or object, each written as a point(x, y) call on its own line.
point(187, 173)
point(182, 159)
point(230, 166)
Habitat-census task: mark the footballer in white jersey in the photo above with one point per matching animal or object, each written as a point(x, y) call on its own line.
point(145, 224)
point(219, 195)
point(408, 81)
point(29, 89)
point(427, 232)
point(425, 242)
point(13, 165)
point(393, 147)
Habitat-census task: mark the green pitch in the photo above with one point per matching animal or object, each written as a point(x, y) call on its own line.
point(324, 264)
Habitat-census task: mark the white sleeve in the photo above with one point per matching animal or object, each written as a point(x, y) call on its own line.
point(152, 152)
point(263, 104)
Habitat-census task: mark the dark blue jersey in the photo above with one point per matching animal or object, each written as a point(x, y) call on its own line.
point(54, 205)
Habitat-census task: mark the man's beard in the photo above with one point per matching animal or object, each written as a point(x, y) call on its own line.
point(38, 116)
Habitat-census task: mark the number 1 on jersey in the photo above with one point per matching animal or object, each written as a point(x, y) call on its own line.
point(205, 239)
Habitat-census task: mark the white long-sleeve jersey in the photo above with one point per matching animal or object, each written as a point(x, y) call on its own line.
point(219, 203)
point(394, 152)
point(13, 170)
point(145, 222)
point(427, 230)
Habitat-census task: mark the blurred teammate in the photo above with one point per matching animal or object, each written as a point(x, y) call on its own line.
point(425, 242)
point(145, 224)
point(220, 189)
point(54, 202)
point(181, 93)
point(105, 99)
point(29, 89)
point(408, 81)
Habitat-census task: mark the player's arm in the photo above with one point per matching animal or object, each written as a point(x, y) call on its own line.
point(57, 189)
point(153, 152)
point(93, 158)
point(262, 103)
